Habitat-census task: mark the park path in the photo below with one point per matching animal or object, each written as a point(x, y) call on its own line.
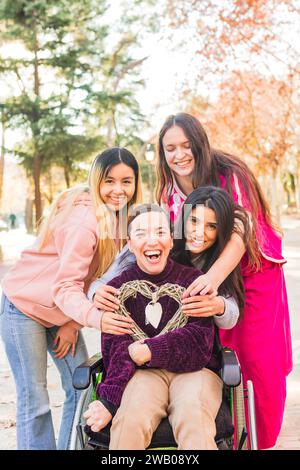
point(12, 242)
point(290, 433)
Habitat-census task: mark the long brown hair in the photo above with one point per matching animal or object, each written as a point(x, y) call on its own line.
point(210, 164)
point(227, 215)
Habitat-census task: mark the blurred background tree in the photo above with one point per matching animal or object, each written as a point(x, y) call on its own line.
point(82, 75)
point(246, 53)
point(72, 89)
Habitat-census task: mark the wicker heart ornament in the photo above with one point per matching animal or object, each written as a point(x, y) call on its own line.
point(153, 311)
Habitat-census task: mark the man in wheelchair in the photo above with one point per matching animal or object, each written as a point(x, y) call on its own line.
point(169, 366)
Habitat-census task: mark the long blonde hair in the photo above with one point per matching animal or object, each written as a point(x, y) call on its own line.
point(58, 211)
point(100, 168)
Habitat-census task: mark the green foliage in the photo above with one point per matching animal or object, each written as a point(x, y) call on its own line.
point(73, 90)
point(148, 176)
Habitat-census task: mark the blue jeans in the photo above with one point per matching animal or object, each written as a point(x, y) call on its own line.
point(26, 344)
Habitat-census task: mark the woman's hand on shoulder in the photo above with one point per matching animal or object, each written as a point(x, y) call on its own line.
point(106, 298)
point(203, 306)
point(203, 285)
point(116, 324)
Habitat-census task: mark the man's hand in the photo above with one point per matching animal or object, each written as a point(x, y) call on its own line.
point(97, 416)
point(139, 352)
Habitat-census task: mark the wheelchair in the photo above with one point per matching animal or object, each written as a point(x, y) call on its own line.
point(232, 432)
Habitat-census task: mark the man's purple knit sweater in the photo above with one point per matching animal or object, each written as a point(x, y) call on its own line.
point(185, 349)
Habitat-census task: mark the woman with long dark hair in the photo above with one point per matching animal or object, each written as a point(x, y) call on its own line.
point(206, 223)
point(262, 338)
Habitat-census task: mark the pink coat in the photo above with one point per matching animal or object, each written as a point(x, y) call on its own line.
point(262, 338)
point(49, 285)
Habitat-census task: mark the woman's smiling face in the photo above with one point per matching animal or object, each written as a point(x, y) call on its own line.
point(201, 230)
point(178, 152)
point(118, 186)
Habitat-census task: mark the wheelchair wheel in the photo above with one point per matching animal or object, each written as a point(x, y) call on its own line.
point(239, 417)
point(78, 437)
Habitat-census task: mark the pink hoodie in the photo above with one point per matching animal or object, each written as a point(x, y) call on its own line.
point(49, 285)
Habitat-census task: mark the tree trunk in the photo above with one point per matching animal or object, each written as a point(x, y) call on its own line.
point(271, 190)
point(67, 177)
point(29, 215)
point(67, 172)
point(37, 187)
point(37, 158)
point(50, 185)
point(276, 194)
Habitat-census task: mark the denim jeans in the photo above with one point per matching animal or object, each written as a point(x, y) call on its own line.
point(26, 343)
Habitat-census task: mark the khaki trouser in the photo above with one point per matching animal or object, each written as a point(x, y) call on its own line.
point(190, 400)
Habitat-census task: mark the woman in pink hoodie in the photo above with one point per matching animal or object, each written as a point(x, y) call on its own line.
point(44, 303)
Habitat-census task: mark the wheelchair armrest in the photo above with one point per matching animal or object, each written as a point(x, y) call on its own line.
point(82, 374)
point(230, 370)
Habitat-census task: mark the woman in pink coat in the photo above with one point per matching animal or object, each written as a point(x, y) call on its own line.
point(262, 338)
